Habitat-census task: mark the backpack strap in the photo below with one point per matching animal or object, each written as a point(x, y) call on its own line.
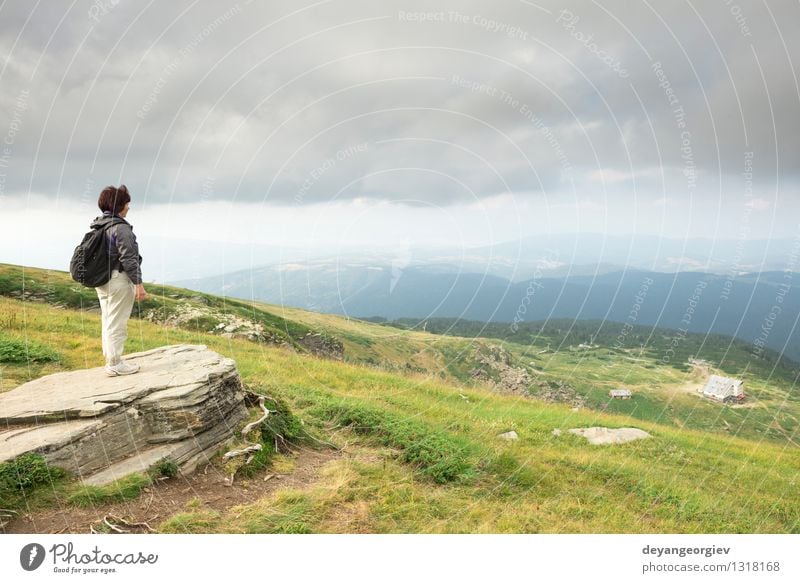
point(110, 223)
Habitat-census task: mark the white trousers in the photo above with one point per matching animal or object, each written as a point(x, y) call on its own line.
point(116, 302)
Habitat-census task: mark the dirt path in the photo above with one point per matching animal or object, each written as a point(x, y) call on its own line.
point(162, 500)
point(688, 388)
point(695, 382)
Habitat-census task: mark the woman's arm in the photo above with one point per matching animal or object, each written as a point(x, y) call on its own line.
point(130, 259)
point(128, 250)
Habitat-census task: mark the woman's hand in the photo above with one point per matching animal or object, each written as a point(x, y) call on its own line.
point(141, 294)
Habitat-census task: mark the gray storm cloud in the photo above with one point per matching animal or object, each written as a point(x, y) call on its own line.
point(424, 103)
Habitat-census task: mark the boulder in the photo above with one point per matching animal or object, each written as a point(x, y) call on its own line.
point(509, 435)
point(185, 403)
point(603, 435)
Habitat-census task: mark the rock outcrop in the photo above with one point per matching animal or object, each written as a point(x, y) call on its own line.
point(499, 371)
point(322, 345)
point(558, 391)
point(184, 404)
point(199, 315)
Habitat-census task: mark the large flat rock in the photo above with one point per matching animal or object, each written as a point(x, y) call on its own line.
point(18, 440)
point(84, 421)
point(180, 369)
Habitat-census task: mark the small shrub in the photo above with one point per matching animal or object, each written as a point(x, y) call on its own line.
point(19, 350)
point(204, 323)
point(22, 475)
point(282, 425)
point(260, 460)
point(165, 467)
point(277, 432)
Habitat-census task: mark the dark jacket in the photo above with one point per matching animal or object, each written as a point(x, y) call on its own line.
point(123, 250)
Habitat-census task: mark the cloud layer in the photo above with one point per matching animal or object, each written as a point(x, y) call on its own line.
point(418, 103)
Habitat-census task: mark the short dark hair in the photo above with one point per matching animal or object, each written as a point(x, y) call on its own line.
point(114, 199)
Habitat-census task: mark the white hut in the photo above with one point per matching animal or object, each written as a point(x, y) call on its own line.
point(724, 389)
point(619, 394)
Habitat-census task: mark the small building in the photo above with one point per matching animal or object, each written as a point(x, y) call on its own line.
point(619, 394)
point(724, 389)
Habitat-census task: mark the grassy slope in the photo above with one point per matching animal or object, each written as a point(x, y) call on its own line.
point(664, 389)
point(680, 481)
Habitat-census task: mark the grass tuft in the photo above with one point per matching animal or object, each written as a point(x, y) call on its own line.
point(126, 488)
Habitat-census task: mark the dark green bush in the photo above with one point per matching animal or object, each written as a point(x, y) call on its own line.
point(20, 351)
point(22, 475)
point(279, 431)
point(165, 467)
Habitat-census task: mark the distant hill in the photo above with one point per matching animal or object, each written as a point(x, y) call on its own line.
point(649, 252)
point(758, 308)
point(543, 255)
point(660, 345)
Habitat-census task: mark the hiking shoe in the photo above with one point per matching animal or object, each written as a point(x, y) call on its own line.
point(121, 368)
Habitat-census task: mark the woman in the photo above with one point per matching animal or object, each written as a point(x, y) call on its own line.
point(118, 294)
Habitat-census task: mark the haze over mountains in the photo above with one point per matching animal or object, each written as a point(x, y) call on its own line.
point(738, 288)
point(554, 255)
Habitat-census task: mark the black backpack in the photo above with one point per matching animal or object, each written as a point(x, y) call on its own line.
point(90, 262)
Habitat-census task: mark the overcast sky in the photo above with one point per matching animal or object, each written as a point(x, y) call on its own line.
point(344, 123)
